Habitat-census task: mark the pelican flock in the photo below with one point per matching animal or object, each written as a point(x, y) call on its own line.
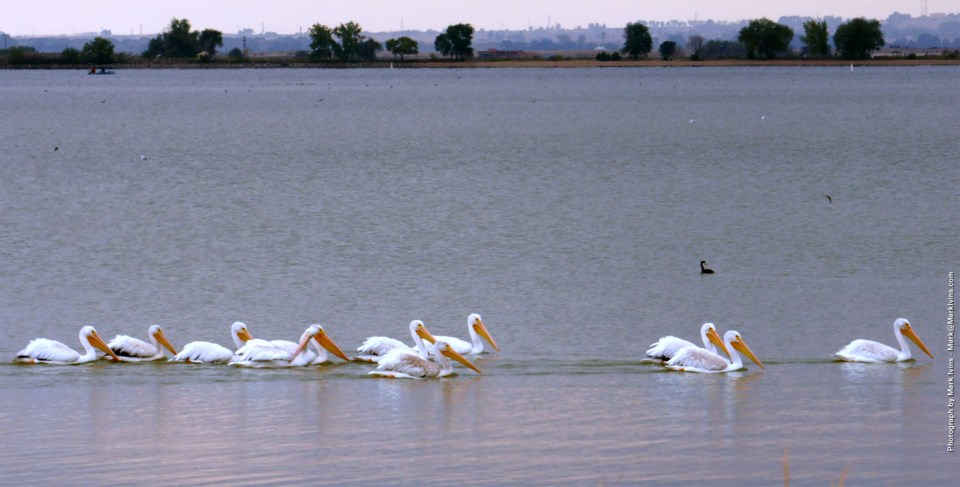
point(430, 356)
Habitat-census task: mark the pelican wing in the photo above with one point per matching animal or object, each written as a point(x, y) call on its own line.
point(666, 347)
point(46, 350)
point(698, 359)
point(867, 351)
point(381, 346)
point(257, 350)
point(127, 346)
point(407, 363)
point(204, 353)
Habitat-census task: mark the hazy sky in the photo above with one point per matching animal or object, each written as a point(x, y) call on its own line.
point(45, 17)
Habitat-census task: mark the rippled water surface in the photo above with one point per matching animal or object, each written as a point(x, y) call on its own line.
point(569, 207)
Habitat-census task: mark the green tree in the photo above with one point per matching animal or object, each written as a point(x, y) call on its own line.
point(321, 42)
point(368, 49)
point(461, 40)
point(350, 40)
point(765, 38)
point(402, 46)
point(694, 44)
point(235, 54)
point(443, 45)
point(210, 40)
point(70, 55)
point(177, 42)
point(98, 51)
point(667, 50)
point(856, 38)
point(637, 40)
point(717, 49)
point(815, 38)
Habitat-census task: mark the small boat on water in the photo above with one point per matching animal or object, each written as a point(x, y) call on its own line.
point(95, 70)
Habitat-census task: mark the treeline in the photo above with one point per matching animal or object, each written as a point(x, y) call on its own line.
point(346, 43)
point(765, 39)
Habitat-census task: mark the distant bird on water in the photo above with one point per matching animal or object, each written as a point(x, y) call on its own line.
point(828, 198)
point(703, 269)
point(56, 148)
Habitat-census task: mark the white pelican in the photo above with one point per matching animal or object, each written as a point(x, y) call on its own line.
point(46, 351)
point(399, 364)
point(131, 349)
point(694, 359)
point(211, 353)
point(875, 352)
point(666, 347)
point(375, 348)
point(283, 353)
point(316, 336)
point(477, 329)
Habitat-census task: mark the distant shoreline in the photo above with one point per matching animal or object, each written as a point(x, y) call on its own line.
point(508, 63)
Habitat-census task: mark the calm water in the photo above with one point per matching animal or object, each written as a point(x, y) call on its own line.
point(570, 207)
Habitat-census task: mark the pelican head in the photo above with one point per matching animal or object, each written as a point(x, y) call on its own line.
point(710, 331)
point(418, 328)
point(239, 330)
point(157, 333)
point(318, 334)
point(476, 324)
point(443, 348)
point(89, 335)
point(902, 327)
point(736, 341)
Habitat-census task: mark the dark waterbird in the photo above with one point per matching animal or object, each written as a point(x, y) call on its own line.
point(703, 269)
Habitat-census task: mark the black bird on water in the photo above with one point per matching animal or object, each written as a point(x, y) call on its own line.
point(705, 270)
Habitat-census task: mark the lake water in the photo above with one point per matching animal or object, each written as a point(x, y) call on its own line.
point(570, 207)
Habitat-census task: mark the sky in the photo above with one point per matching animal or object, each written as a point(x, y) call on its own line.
point(124, 17)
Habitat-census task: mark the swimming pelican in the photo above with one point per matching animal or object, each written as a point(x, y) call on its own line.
point(131, 349)
point(401, 365)
point(693, 359)
point(283, 353)
point(705, 270)
point(211, 353)
point(316, 336)
point(875, 352)
point(374, 348)
point(46, 351)
point(666, 347)
point(477, 329)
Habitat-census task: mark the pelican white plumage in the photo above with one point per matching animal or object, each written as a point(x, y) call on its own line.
point(695, 359)
point(316, 337)
point(46, 351)
point(283, 353)
point(477, 329)
point(131, 349)
point(400, 364)
point(876, 352)
point(211, 353)
point(666, 347)
point(374, 348)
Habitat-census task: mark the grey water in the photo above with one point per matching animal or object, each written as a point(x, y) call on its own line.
point(570, 207)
